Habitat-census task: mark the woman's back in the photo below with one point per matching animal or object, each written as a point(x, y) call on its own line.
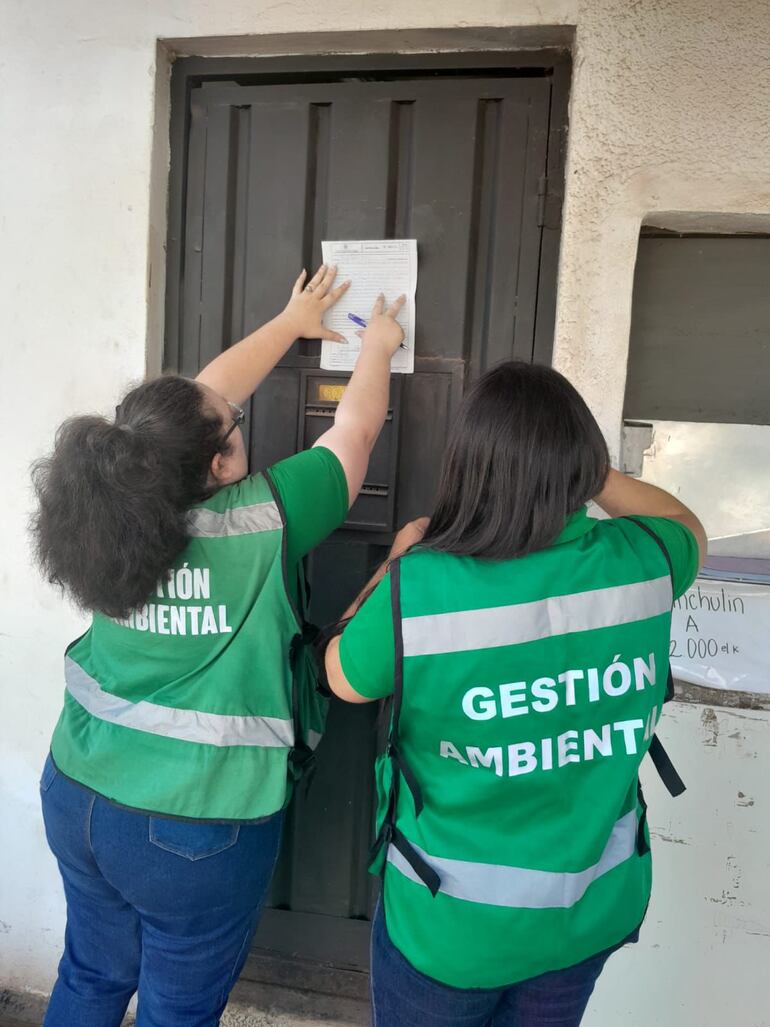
point(197, 682)
point(530, 690)
point(526, 647)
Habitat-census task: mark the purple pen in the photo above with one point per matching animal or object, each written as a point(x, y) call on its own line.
point(362, 324)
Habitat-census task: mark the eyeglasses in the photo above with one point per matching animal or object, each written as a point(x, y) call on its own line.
point(239, 416)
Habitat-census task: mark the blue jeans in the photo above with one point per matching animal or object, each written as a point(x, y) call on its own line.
point(166, 908)
point(402, 995)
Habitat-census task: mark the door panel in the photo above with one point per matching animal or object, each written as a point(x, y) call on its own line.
point(269, 170)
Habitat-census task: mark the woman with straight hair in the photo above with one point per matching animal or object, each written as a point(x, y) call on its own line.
point(190, 701)
point(525, 645)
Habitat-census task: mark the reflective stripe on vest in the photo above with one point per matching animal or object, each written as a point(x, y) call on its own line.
point(313, 739)
point(186, 725)
point(432, 634)
point(238, 520)
point(518, 887)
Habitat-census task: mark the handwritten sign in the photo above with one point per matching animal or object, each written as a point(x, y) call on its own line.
point(719, 635)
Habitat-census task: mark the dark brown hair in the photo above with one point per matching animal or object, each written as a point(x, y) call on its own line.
point(113, 495)
point(523, 454)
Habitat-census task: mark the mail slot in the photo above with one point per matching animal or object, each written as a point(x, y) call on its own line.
point(321, 392)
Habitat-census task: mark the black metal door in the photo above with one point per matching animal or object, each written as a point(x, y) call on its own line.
point(263, 170)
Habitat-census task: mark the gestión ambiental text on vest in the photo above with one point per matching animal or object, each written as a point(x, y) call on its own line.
point(184, 583)
point(541, 696)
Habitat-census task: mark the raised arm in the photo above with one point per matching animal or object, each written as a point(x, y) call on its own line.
point(622, 496)
point(407, 537)
point(361, 412)
point(237, 372)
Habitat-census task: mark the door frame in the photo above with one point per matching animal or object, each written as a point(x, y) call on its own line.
point(278, 968)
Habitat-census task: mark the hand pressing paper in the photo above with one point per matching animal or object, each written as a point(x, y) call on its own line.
point(373, 266)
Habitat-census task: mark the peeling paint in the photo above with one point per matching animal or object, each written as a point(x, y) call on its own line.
point(710, 725)
point(668, 838)
point(725, 899)
point(687, 692)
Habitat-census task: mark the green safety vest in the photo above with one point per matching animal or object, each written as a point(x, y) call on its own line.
point(518, 842)
point(204, 703)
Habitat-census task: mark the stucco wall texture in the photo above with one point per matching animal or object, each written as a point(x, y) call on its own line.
point(670, 112)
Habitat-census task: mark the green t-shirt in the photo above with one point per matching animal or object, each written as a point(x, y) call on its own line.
point(367, 650)
point(313, 491)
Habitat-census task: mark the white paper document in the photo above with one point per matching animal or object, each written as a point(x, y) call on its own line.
point(373, 266)
point(719, 632)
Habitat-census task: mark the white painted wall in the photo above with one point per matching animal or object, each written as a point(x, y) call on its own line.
point(736, 457)
point(703, 954)
point(670, 111)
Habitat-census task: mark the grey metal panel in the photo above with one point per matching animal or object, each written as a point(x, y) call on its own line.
point(275, 213)
point(357, 188)
point(532, 154)
point(700, 330)
point(188, 354)
point(431, 395)
point(218, 221)
point(331, 826)
point(400, 170)
point(273, 431)
point(510, 160)
point(443, 152)
point(323, 868)
point(272, 169)
point(552, 194)
point(240, 158)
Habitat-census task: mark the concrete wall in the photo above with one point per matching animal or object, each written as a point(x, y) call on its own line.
point(669, 112)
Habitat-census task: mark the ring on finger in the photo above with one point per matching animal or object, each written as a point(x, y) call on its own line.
point(308, 288)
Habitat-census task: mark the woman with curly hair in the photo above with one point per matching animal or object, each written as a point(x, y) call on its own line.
point(190, 703)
